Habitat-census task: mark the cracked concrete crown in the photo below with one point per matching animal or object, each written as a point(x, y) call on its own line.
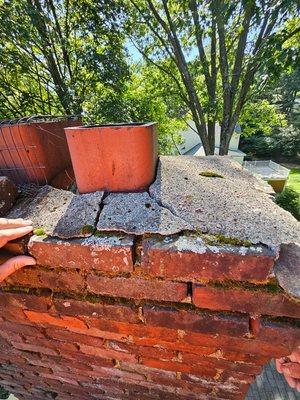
point(181, 198)
point(236, 205)
point(60, 213)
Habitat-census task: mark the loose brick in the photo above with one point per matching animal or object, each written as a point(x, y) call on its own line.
point(18, 246)
point(137, 288)
point(188, 258)
point(246, 301)
point(196, 322)
point(108, 254)
point(27, 276)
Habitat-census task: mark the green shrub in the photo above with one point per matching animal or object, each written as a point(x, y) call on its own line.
point(283, 142)
point(3, 393)
point(289, 199)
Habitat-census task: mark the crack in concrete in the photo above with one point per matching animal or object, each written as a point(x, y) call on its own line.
point(170, 209)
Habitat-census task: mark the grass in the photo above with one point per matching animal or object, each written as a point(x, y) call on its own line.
point(294, 179)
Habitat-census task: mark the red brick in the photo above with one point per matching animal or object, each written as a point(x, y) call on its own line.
point(195, 322)
point(180, 367)
point(46, 319)
point(34, 348)
point(171, 261)
point(279, 334)
point(100, 254)
point(143, 351)
point(246, 301)
point(98, 327)
point(37, 277)
point(241, 345)
point(24, 301)
point(61, 281)
point(18, 246)
point(27, 276)
point(21, 329)
point(137, 288)
point(118, 312)
point(107, 353)
point(64, 335)
point(220, 363)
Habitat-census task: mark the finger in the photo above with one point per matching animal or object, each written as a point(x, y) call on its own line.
point(9, 234)
point(15, 263)
point(298, 385)
point(291, 382)
point(292, 370)
point(6, 223)
point(278, 363)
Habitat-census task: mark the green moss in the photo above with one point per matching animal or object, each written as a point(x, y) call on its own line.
point(218, 239)
point(210, 174)
point(100, 234)
point(270, 287)
point(39, 232)
point(87, 229)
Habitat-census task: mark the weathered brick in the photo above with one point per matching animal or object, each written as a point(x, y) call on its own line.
point(65, 336)
point(107, 353)
point(187, 258)
point(255, 302)
point(34, 348)
point(137, 288)
point(279, 334)
point(108, 254)
point(18, 246)
point(46, 319)
point(195, 322)
point(118, 312)
point(27, 276)
point(180, 367)
point(25, 301)
point(71, 281)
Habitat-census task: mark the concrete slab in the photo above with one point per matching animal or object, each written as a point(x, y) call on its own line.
point(138, 213)
point(287, 269)
point(60, 213)
point(235, 205)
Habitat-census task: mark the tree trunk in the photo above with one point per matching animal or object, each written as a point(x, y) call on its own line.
point(211, 129)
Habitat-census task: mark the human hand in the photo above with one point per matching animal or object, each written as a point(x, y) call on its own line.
point(11, 229)
point(290, 368)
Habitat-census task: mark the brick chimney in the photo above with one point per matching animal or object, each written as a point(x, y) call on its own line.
point(183, 292)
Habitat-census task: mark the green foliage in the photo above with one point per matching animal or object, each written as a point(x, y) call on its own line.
point(54, 52)
point(294, 179)
point(286, 141)
point(260, 117)
point(283, 142)
point(289, 199)
point(141, 100)
point(4, 394)
point(39, 232)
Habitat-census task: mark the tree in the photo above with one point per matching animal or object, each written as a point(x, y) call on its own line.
point(260, 117)
point(54, 53)
point(142, 100)
point(201, 43)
